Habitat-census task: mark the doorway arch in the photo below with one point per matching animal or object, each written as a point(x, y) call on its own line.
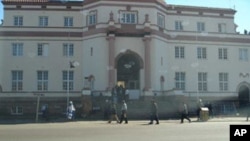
point(243, 95)
point(128, 65)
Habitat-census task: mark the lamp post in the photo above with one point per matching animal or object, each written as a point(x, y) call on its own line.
point(72, 64)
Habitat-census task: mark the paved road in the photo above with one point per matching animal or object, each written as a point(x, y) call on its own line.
point(169, 130)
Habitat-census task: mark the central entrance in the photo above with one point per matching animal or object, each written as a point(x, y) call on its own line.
point(128, 72)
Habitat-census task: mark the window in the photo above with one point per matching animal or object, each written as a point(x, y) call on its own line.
point(180, 80)
point(42, 80)
point(128, 18)
point(160, 20)
point(68, 80)
point(68, 49)
point(43, 21)
point(202, 81)
point(42, 49)
point(222, 53)
point(68, 21)
point(223, 81)
point(201, 53)
point(17, 49)
point(17, 80)
point(91, 18)
point(179, 52)
point(222, 28)
point(200, 26)
point(16, 110)
point(243, 54)
point(18, 21)
point(178, 25)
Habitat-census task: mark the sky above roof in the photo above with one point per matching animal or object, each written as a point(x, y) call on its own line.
point(241, 6)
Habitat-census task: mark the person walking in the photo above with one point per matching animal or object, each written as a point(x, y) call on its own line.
point(124, 112)
point(184, 112)
point(113, 114)
point(45, 112)
point(154, 112)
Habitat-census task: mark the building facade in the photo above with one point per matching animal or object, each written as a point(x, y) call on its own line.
point(67, 50)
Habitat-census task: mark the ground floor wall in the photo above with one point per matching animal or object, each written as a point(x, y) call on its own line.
point(95, 107)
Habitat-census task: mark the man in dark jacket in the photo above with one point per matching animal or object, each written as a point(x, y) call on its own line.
point(184, 112)
point(154, 112)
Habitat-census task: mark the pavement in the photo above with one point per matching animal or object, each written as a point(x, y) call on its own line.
point(215, 119)
point(215, 129)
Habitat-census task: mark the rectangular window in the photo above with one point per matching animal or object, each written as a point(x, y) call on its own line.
point(42, 49)
point(68, 80)
point(17, 49)
point(68, 21)
point(160, 20)
point(223, 53)
point(222, 28)
point(128, 18)
point(223, 81)
point(179, 52)
point(43, 21)
point(42, 80)
point(68, 49)
point(202, 81)
point(18, 21)
point(17, 80)
point(180, 80)
point(243, 54)
point(200, 26)
point(178, 25)
point(201, 53)
point(16, 110)
point(92, 18)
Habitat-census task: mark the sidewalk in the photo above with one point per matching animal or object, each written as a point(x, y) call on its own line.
point(215, 119)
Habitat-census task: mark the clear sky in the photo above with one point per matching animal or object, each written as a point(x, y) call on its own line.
point(241, 6)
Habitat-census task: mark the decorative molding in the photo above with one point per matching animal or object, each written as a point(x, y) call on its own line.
point(244, 75)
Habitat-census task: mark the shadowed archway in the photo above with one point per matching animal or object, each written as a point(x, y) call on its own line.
point(128, 65)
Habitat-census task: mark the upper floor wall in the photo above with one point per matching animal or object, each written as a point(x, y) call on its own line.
point(79, 14)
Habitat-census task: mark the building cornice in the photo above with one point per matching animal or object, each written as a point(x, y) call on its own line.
point(131, 33)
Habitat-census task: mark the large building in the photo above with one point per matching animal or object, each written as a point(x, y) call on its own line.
point(61, 49)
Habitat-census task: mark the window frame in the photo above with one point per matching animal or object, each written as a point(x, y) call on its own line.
point(42, 49)
point(160, 20)
point(179, 25)
point(68, 21)
point(202, 81)
point(223, 81)
point(17, 80)
point(68, 80)
point(18, 21)
point(180, 80)
point(42, 80)
point(68, 49)
point(223, 53)
point(43, 21)
point(201, 53)
point(128, 17)
point(17, 49)
point(179, 52)
point(92, 18)
point(201, 27)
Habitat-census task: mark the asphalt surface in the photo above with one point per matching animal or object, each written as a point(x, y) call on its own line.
point(216, 129)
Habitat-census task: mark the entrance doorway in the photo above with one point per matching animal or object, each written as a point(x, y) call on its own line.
point(128, 72)
point(243, 96)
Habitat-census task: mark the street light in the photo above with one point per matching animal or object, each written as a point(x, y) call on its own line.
point(72, 64)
